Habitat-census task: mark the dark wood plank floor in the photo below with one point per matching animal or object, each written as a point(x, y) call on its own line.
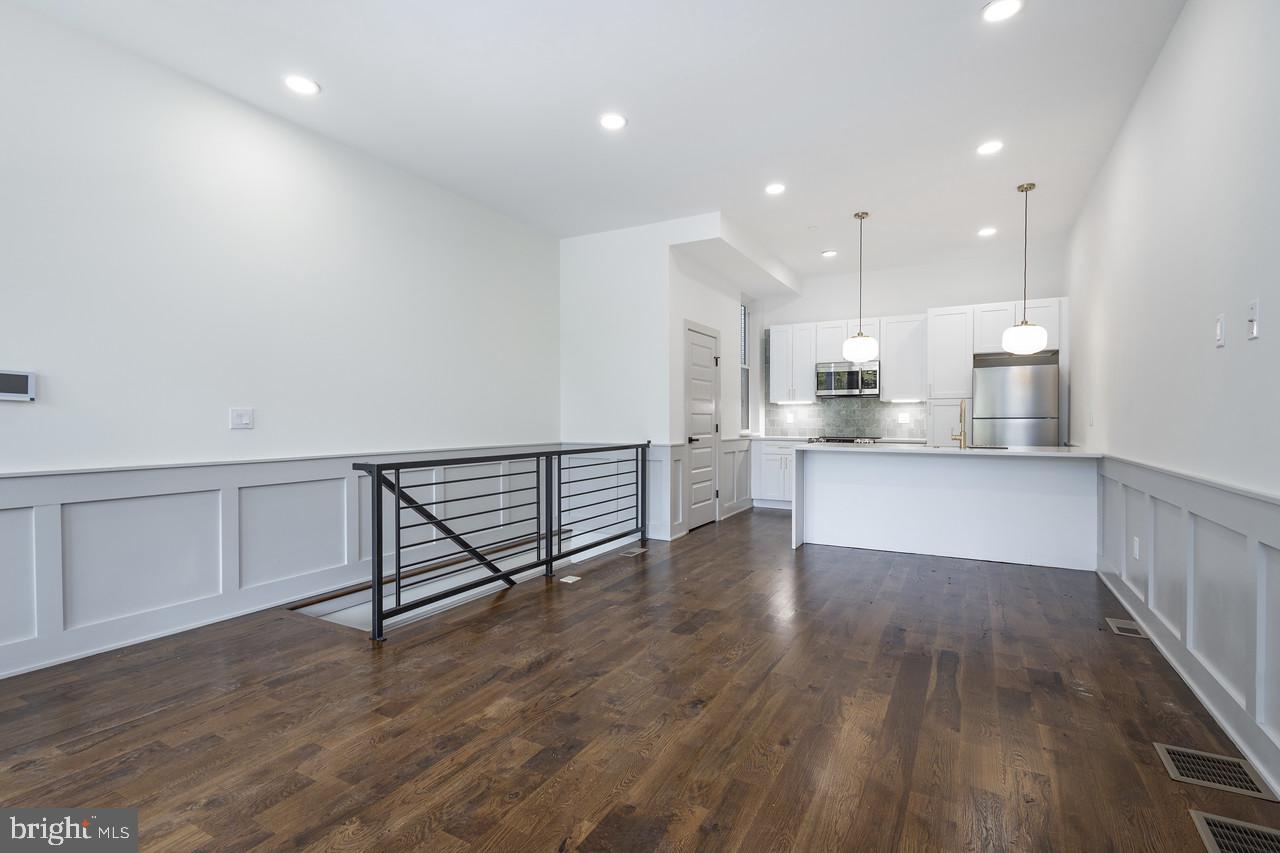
point(720, 692)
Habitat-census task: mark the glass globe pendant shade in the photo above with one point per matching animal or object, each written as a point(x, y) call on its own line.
point(1026, 338)
point(860, 348)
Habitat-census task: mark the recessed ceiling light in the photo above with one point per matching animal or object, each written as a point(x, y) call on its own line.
point(302, 85)
point(776, 189)
point(1001, 10)
point(990, 147)
point(613, 121)
point(987, 232)
point(830, 253)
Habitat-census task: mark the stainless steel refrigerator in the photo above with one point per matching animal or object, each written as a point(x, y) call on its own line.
point(1015, 400)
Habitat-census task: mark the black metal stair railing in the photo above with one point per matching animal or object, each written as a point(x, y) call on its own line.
point(460, 524)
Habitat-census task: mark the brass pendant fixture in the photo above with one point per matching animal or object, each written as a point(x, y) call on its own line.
point(1025, 338)
point(860, 348)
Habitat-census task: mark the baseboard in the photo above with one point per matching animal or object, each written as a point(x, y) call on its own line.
point(763, 504)
point(741, 507)
point(1250, 738)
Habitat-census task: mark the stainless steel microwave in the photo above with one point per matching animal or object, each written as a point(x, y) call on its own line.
point(846, 379)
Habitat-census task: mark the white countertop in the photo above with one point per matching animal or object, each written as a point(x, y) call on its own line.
point(1024, 452)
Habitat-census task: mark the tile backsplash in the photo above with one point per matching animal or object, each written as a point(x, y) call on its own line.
point(847, 416)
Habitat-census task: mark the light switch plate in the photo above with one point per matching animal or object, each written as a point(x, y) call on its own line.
point(1220, 331)
point(242, 418)
point(1251, 319)
point(904, 417)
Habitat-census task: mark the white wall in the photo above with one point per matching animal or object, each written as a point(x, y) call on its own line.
point(1179, 227)
point(170, 252)
point(615, 349)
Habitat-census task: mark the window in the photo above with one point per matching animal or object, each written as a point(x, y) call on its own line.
point(744, 367)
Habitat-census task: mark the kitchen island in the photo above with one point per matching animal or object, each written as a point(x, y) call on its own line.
point(1035, 506)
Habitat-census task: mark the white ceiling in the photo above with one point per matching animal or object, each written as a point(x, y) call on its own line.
point(853, 104)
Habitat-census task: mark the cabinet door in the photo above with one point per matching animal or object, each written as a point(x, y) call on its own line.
point(831, 337)
point(780, 389)
point(950, 342)
point(989, 323)
point(870, 327)
point(902, 358)
point(1047, 313)
point(804, 382)
point(944, 420)
point(773, 479)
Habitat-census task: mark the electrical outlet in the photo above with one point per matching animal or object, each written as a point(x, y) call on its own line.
point(904, 417)
point(1137, 548)
point(1220, 331)
point(242, 418)
point(1251, 318)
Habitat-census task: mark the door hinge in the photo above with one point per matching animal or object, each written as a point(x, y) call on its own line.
point(717, 493)
point(717, 427)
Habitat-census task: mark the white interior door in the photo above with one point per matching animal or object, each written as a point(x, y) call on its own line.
point(701, 414)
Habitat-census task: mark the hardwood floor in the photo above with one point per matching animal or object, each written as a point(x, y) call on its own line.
point(719, 692)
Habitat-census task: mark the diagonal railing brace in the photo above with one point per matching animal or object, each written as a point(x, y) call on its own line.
point(448, 531)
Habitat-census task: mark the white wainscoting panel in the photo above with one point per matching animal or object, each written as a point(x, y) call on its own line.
point(114, 557)
point(17, 575)
point(734, 476)
point(1210, 569)
point(666, 491)
point(130, 555)
point(291, 529)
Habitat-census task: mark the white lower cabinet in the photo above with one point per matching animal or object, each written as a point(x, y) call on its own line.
point(773, 464)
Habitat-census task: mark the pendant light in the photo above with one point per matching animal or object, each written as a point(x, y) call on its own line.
point(1025, 338)
point(860, 348)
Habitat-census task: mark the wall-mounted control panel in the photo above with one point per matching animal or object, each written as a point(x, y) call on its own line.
point(17, 386)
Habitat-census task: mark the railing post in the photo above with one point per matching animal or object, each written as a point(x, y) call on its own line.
point(375, 492)
point(644, 494)
point(551, 518)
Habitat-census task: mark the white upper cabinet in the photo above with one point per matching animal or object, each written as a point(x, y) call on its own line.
point(803, 357)
point(831, 337)
point(902, 358)
point(989, 323)
point(950, 343)
point(792, 355)
point(780, 338)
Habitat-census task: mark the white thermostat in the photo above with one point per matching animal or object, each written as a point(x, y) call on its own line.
point(17, 386)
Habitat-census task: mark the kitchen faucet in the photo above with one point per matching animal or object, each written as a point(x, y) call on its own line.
point(962, 437)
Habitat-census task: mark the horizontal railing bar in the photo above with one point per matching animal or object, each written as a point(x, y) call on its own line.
point(565, 509)
point(564, 467)
point(458, 590)
point(597, 515)
point(428, 578)
point(498, 476)
point(383, 467)
point(601, 477)
point(470, 515)
point(601, 489)
point(405, 506)
point(476, 529)
point(587, 546)
point(486, 547)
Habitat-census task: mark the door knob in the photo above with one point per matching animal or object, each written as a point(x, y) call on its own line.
point(692, 439)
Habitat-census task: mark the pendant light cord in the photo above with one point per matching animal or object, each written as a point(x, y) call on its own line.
point(860, 222)
point(1026, 215)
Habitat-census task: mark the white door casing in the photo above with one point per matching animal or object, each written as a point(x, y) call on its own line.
point(701, 415)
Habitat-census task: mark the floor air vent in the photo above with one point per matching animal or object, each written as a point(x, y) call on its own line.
point(1126, 627)
point(1214, 771)
point(632, 552)
point(1224, 835)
